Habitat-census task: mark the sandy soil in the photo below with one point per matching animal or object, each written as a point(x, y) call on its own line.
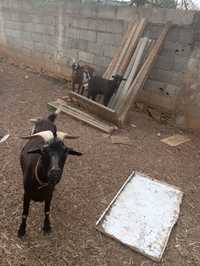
point(88, 183)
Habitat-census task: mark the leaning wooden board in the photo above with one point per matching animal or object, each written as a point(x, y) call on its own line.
point(118, 52)
point(142, 76)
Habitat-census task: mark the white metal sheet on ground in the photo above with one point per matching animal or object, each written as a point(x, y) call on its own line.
point(142, 215)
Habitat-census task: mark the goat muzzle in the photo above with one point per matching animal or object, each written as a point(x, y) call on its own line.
point(54, 175)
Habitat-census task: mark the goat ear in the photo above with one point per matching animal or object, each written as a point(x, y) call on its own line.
point(73, 152)
point(36, 150)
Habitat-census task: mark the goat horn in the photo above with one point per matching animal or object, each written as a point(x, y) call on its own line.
point(62, 136)
point(58, 110)
point(34, 120)
point(46, 135)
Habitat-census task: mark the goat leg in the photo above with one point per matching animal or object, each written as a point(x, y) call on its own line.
point(26, 204)
point(47, 224)
point(73, 86)
point(82, 89)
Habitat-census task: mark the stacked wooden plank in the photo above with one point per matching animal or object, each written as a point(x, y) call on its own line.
point(134, 63)
point(138, 82)
point(131, 71)
point(82, 116)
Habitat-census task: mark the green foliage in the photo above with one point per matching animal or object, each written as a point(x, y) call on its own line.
point(157, 3)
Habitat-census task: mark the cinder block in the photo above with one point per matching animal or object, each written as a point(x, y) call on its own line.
point(158, 15)
point(115, 26)
point(28, 27)
point(26, 36)
point(14, 42)
point(155, 86)
point(175, 78)
point(89, 11)
point(102, 61)
point(108, 50)
point(165, 62)
point(87, 57)
point(153, 31)
point(14, 16)
point(72, 33)
point(45, 29)
point(25, 17)
point(95, 48)
point(81, 23)
point(26, 51)
point(108, 38)
point(13, 33)
point(83, 45)
point(180, 63)
point(38, 37)
point(166, 52)
point(28, 45)
point(172, 90)
point(13, 25)
point(109, 25)
point(179, 16)
point(101, 25)
point(88, 35)
point(162, 102)
point(47, 20)
point(178, 48)
point(51, 40)
point(161, 88)
point(39, 47)
point(173, 34)
point(106, 11)
point(70, 43)
point(186, 36)
point(71, 53)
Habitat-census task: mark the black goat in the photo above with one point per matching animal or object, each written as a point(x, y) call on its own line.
point(98, 85)
point(42, 161)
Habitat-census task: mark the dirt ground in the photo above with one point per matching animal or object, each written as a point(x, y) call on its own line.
point(89, 183)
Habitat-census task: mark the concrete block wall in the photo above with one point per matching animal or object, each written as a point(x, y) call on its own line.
point(47, 34)
point(167, 77)
point(54, 33)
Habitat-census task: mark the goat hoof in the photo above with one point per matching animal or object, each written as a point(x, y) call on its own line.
point(47, 229)
point(21, 233)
